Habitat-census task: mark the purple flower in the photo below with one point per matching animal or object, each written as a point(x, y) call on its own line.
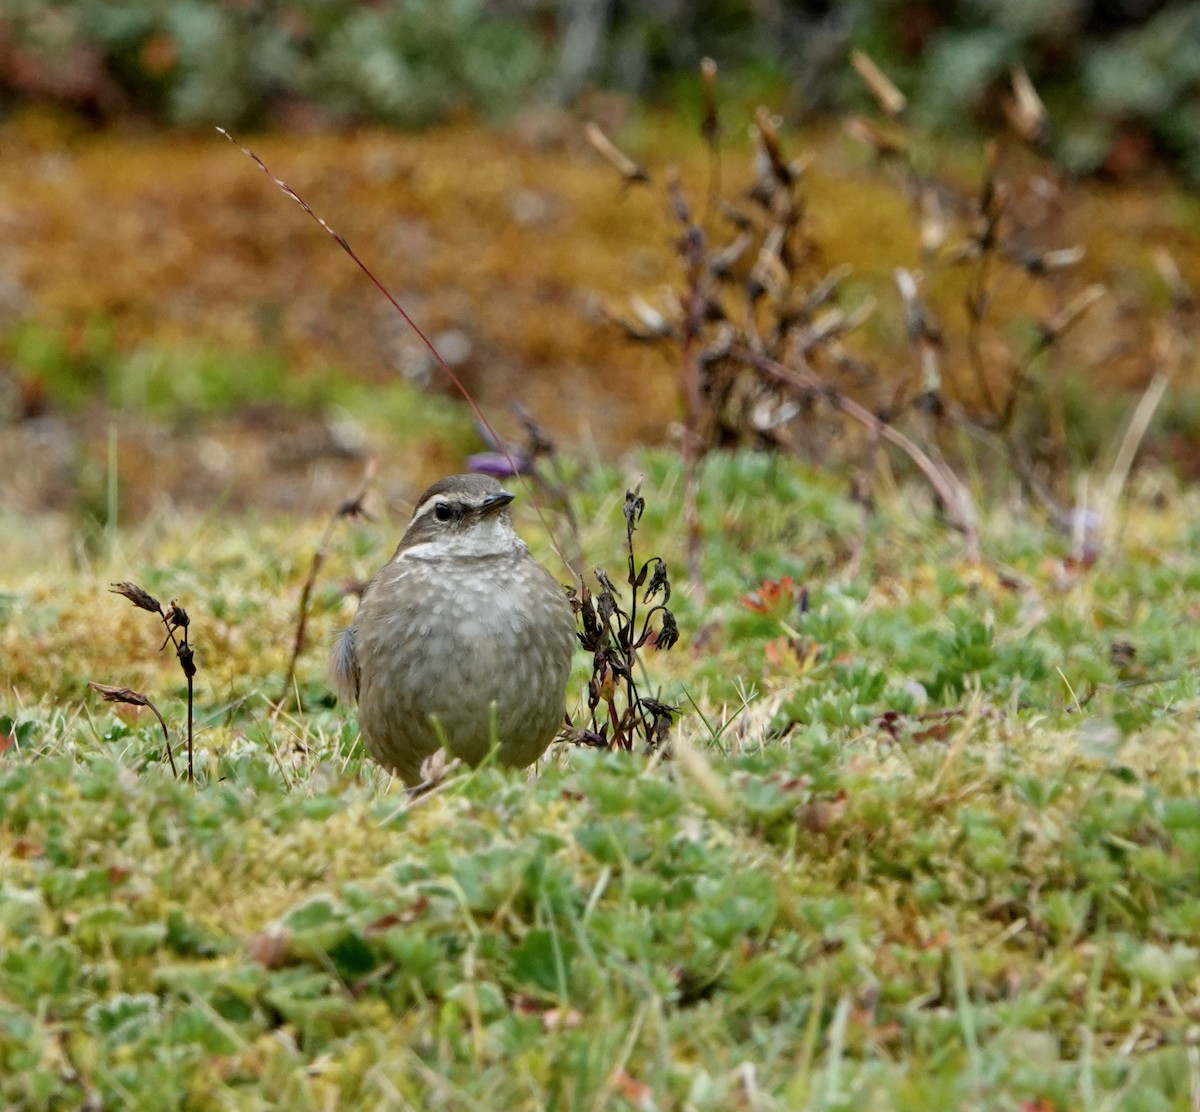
point(498, 465)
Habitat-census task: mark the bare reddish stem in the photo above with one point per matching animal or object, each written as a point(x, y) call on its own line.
point(342, 242)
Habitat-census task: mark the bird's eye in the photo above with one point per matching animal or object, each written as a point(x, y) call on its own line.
point(441, 511)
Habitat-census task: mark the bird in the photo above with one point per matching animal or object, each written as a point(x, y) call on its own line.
point(462, 640)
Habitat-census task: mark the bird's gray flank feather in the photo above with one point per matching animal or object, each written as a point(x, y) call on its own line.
point(343, 666)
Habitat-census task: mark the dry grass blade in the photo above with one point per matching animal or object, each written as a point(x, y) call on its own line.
point(1073, 312)
point(1025, 111)
point(1135, 433)
point(352, 507)
point(1182, 294)
point(869, 134)
point(891, 100)
point(632, 172)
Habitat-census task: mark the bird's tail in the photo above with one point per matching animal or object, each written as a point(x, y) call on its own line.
point(343, 666)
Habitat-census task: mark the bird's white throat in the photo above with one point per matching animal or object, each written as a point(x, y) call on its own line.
point(492, 536)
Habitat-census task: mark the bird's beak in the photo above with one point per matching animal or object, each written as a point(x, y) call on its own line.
point(494, 502)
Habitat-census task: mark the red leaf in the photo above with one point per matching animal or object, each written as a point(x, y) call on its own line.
point(771, 592)
point(634, 1091)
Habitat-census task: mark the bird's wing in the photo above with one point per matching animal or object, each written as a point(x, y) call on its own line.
point(343, 666)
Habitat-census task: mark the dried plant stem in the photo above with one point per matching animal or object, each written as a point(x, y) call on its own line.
point(187, 662)
point(166, 737)
point(710, 130)
point(176, 618)
point(633, 697)
point(976, 303)
point(352, 507)
point(694, 257)
point(1135, 433)
point(862, 491)
point(191, 697)
point(693, 541)
point(173, 618)
point(609, 631)
point(1050, 332)
point(949, 488)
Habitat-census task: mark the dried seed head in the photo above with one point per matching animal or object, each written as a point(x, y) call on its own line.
point(662, 716)
point(669, 634)
point(658, 582)
point(766, 128)
point(590, 637)
point(143, 600)
point(354, 508)
point(593, 739)
point(635, 505)
point(187, 660)
point(120, 695)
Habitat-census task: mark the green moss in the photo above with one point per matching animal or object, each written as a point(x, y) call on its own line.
point(933, 848)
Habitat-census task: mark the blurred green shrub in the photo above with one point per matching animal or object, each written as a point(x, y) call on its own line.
point(1121, 77)
point(257, 62)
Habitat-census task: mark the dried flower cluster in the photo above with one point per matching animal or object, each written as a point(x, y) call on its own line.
point(764, 330)
point(177, 623)
point(614, 632)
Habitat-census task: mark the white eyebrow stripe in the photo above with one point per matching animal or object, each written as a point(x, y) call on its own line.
point(428, 505)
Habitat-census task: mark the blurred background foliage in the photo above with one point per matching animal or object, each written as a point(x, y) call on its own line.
point(1121, 77)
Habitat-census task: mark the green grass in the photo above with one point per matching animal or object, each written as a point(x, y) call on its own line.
point(86, 368)
point(928, 845)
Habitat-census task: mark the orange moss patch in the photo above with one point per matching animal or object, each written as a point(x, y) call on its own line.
point(181, 240)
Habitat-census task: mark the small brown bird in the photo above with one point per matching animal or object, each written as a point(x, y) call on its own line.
point(462, 639)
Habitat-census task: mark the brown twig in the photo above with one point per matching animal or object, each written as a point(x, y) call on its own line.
point(986, 241)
